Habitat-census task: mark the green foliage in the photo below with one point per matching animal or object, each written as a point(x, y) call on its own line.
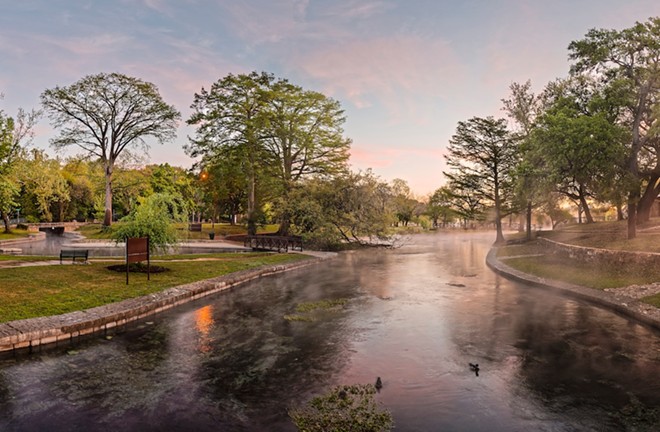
point(355, 208)
point(345, 408)
point(627, 63)
point(440, 207)
point(482, 154)
point(106, 115)
point(44, 187)
point(154, 217)
point(276, 133)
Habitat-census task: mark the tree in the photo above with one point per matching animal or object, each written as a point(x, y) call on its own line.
point(440, 206)
point(523, 107)
point(45, 186)
point(280, 134)
point(629, 61)
point(483, 153)
point(403, 203)
point(225, 186)
point(229, 116)
point(576, 147)
point(304, 137)
point(106, 115)
point(466, 199)
point(353, 208)
point(80, 176)
point(14, 134)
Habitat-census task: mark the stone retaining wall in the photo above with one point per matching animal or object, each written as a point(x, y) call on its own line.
point(29, 333)
point(603, 257)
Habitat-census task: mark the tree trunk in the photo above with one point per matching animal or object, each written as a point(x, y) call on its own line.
point(529, 220)
point(285, 223)
point(619, 212)
point(648, 199)
point(585, 207)
point(632, 216)
point(107, 220)
point(5, 220)
point(252, 206)
point(498, 218)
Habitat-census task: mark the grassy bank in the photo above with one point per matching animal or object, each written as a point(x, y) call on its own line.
point(29, 292)
point(15, 234)
point(533, 259)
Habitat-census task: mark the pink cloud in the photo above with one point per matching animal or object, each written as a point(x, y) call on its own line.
point(396, 71)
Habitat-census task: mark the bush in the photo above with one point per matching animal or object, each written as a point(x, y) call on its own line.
point(154, 217)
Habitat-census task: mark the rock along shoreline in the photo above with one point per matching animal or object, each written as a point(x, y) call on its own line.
point(30, 333)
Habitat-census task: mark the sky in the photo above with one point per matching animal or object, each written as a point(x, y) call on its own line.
point(405, 71)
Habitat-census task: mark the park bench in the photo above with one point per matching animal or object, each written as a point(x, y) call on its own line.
point(195, 227)
point(73, 254)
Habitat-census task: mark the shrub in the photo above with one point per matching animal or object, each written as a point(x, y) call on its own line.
point(154, 217)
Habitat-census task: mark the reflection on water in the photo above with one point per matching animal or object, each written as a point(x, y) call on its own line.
point(416, 317)
point(204, 324)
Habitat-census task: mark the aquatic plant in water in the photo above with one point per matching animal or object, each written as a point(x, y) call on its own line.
point(344, 408)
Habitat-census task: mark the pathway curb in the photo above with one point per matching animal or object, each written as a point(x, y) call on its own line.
point(34, 332)
point(630, 308)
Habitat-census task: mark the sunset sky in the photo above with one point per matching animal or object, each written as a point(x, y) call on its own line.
point(405, 71)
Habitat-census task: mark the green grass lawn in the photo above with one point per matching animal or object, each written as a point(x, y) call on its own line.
point(609, 235)
point(29, 292)
point(588, 275)
point(15, 234)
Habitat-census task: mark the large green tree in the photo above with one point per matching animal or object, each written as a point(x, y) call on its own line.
point(229, 119)
point(304, 137)
point(278, 132)
point(14, 134)
point(523, 107)
point(628, 61)
point(576, 146)
point(483, 148)
point(106, 115)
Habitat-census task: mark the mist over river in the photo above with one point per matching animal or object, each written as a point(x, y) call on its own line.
point(416, 316)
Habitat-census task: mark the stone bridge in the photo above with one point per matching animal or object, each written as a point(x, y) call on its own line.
point(54, 227)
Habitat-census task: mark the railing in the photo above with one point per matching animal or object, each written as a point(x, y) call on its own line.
point(271, 242)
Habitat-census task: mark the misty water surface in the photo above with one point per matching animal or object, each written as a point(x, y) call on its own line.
point(415, 316)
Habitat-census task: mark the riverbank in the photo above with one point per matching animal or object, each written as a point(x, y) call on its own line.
point(32, 333)
point(624, 300)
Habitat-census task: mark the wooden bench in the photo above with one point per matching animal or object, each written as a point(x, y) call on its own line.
point(195, 227)
point(73, 254)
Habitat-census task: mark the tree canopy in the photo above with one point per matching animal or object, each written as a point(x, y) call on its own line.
point(278, 133)
point(484, 149)
point(628, 61)
point(105, 115)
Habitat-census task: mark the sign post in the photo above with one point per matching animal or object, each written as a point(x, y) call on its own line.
point(137, 250)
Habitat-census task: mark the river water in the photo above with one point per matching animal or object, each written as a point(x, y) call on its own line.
point(415, 316)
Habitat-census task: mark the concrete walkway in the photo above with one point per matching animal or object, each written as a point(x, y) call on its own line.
point(622, 300)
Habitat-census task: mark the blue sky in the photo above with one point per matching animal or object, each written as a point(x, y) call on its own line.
point(405, 71)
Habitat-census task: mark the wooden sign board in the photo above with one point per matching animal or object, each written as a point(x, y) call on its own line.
point(137, 250)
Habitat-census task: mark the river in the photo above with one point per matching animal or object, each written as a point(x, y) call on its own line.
point(415, 316)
